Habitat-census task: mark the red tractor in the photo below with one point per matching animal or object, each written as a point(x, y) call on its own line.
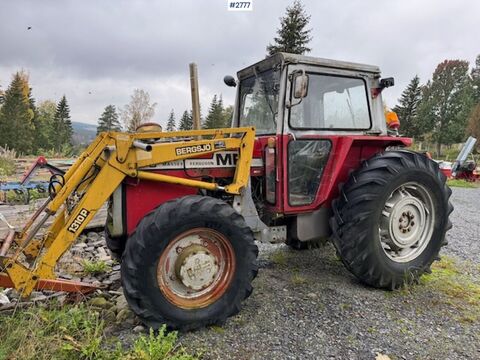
point(324, 165)
point(309, 157)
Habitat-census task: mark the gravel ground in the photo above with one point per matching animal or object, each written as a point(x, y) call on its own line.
point(306, 305)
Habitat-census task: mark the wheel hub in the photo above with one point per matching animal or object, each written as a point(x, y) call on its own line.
point(407, 222)
point(196, 268)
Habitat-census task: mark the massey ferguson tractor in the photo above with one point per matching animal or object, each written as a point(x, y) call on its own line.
point(309, 156)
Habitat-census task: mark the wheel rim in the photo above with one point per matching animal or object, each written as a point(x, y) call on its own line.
point(196, 268)
point(407, 222)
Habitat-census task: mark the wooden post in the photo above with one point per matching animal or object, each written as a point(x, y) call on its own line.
point(195, 96)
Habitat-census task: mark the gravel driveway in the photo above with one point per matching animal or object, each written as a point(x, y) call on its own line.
point(307, 306)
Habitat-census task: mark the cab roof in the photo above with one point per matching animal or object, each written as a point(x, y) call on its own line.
point(287, 58)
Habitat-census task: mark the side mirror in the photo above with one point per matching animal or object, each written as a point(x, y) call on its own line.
point(387, 82)
point(300, 85)
point(229, 81)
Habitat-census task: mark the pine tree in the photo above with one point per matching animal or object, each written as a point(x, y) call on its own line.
point(292, 35)
point(447, 101)
point(171, 126)
point(16, 116)
point(407, 109)
point(215, 118)
point(186, 121)
point(109, 120)
point(61, 131)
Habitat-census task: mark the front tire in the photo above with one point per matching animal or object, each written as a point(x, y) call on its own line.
point(189, 264)
point(391, 218)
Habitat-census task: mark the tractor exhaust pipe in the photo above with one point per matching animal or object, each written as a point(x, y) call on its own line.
point(195, 96)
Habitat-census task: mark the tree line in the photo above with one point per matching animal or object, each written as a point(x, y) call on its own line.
point(29, 128)
point(139, 110)
point(444, 110)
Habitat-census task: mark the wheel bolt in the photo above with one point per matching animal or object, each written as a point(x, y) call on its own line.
point(412, 223)
point(404, 214)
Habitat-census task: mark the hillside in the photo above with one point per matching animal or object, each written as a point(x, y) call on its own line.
point(83, 133)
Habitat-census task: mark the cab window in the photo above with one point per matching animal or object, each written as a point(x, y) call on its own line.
point(332, 102)
point(259, 101)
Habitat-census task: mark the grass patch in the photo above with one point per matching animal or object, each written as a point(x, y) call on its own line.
point(77, 332)
point(459, 289)
point(279, 257)
point(462, 183)
point(298, 279)
point(95, 267)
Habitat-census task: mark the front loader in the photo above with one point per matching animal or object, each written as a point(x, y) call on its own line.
point(309, 158)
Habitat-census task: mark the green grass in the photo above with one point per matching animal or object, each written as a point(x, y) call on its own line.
point(279, 257)
point(94, 267)
point(462, 183)
point(459, 289)
point(298, 279)
point(77, 332)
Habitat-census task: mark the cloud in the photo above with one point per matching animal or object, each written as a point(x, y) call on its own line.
point(97, 52)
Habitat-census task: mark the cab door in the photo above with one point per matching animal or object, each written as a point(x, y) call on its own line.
point(323, 106)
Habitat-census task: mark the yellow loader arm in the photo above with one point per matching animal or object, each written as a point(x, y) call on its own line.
point(100, 169)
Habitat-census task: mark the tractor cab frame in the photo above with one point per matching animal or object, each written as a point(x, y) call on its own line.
point(315, 120)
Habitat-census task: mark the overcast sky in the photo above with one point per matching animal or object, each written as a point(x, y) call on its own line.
point(97, 52)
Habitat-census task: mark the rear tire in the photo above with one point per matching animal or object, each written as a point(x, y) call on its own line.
point(173, 242)
point(391, 218)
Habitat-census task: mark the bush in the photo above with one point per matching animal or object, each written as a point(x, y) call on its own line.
point(7, 162)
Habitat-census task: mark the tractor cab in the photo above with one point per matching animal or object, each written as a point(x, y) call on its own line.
point(301, 95)
point(314, 119)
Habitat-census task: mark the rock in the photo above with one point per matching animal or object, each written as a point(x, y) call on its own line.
point(312, 295)
point(109, 316)
point(125, 316)
point(82, 238)
point(80, 246)
point(138, 329)
point(116, 268)
point(4, 300)
point(97, 243)
point(37, 296)
point(93, 236)
point(121, 303)
point(66, 276)
point(101, 302)
point(115, 276)
point(90, 248)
